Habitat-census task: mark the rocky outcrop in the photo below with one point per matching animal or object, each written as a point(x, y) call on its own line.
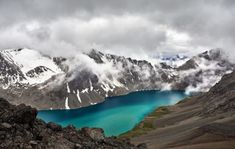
point(19, 128)
point(190, 64)
point(37, 71)
point(7, 68)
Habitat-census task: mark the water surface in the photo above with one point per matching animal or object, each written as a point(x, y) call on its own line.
point(117, 114)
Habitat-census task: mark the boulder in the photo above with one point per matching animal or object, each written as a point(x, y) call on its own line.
point(94, 133)
point(54, 126)
point(24, 114)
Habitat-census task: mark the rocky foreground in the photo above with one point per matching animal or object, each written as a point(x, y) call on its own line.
point(19, 128)
point(204, 121)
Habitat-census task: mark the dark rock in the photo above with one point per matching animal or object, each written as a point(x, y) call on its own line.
point(94, 133)
point(24, 114)
point(4, 105)
point(96, 55)
point(165, 66)
point(37, 71)
point(33, 143)
point(77, 146)
point(142, 146)
point(19, 128)
point(2, 134)
point(190, 64)
point(219, 129)
point(54, 126)
point(6, 125)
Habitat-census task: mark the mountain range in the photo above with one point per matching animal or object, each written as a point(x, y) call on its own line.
point(45, 82)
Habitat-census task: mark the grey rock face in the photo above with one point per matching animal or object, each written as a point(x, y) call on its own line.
point(190, 64)
point(221, 97)
point(37, 71)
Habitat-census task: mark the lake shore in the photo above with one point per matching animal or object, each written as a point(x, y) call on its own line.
point(202, 121)
point(107, 115)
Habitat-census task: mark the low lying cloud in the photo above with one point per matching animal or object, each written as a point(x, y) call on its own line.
point(106, 72)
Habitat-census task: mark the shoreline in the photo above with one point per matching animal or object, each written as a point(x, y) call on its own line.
point(147, 124)
point(107, 98)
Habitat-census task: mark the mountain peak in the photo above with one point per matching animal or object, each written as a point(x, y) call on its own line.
point(27, 61)
point(213, 54)
point(96, 55)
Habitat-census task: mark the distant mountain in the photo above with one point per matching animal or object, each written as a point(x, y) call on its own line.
point(173, 61)
point(44, 82)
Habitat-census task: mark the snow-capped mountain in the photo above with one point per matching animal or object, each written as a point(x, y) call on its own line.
point(44, 82)
point(173, 61)
point(25, 66)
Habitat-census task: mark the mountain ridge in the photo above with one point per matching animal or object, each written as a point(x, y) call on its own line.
point(86, 79)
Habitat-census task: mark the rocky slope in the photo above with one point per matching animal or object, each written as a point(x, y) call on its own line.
point(19, 128)
point(203, 121)
point(27, 76)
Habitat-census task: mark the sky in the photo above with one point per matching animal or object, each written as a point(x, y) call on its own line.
point(122, 27)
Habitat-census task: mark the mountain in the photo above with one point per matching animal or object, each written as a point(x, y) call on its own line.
point(25, 66)
point(203, 121)
point(45, 82)
point(19, 128)
point(174, 60)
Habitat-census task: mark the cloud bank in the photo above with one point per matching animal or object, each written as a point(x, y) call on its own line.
point(133, 27)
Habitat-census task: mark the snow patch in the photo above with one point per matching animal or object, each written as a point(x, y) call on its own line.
point(67, 103)
point(68, 89)
point(93, 103)
point(85, 90)
point(166, 87)
point(91, 87)
point(78, 96)
point(106, 87)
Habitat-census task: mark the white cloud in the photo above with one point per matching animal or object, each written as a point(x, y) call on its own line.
point(133, 27)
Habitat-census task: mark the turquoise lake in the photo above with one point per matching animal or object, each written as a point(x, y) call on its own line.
point(117, 114)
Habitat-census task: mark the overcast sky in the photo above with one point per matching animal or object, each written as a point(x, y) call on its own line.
point(124, 27)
